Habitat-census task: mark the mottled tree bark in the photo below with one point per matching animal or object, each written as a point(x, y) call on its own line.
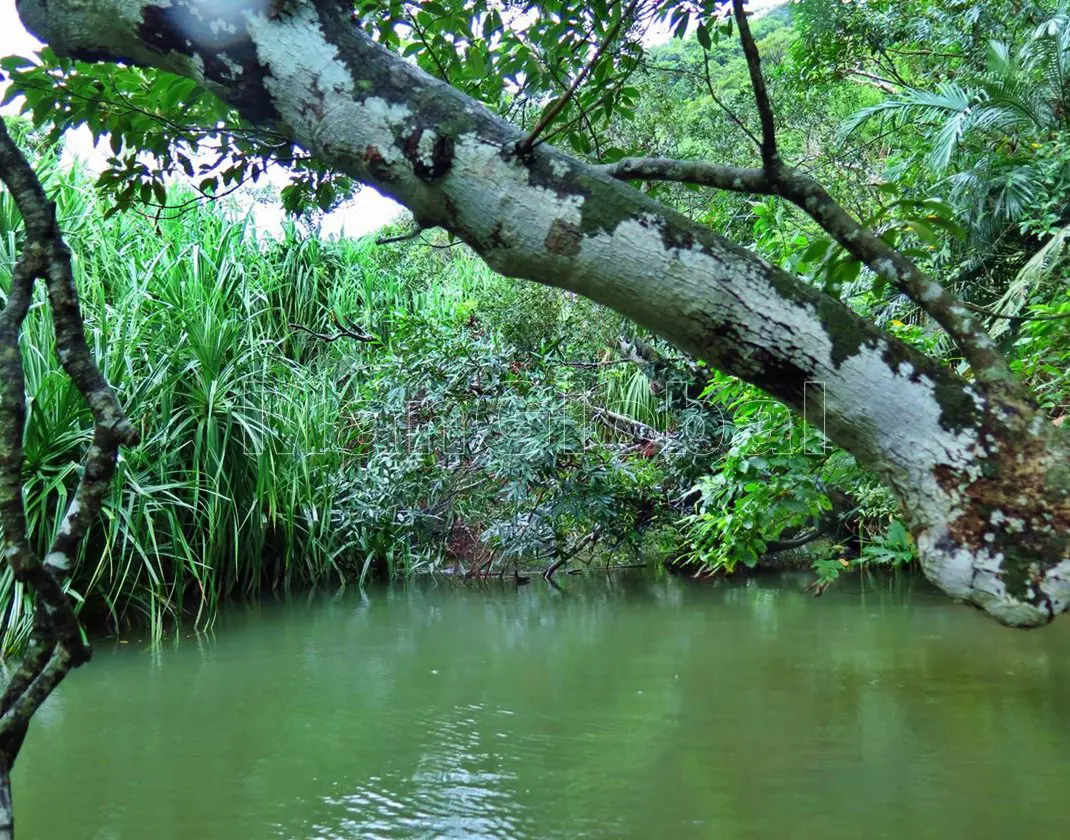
point(56, 644)
point(983, 479)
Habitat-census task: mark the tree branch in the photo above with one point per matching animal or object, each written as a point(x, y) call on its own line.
point(350, 330)
point(524, 147)
point(732, 115)
point(57, 644)
point(988, 313)
point(988, 364)
point(564, 557)
point(812, 198)
point(401, 237)
point(768, 146)
point(945, 445)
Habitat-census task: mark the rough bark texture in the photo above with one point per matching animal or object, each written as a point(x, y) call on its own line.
point(983, 480)
point(56, 644)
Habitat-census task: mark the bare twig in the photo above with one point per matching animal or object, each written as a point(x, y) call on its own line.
point(732, 115)
point(757, 80)
point(349, 329)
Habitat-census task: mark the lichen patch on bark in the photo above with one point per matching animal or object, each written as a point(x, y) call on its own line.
point(564, 238)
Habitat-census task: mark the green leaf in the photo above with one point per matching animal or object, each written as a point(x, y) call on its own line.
point(924, 231)
point(325, 195)
point(476, 66)
point(681, 27)
point(703, 35)
point(817, 251)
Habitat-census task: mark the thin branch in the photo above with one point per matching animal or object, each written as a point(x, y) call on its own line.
point(350, 330)
point(878, 82)
point(564, 129)
point(988, 313)
point(583, 117)
point(34, 660)
point(794, 542)
point(761, 96)
point(934, 53)
point(403, 237)
point(423, 40)
point(606, 363)
point(524, 147)
point(732, 178)
point(635, 429)
point(882, 53)
point(563, 558)
point(713, 95)
point(989, 365)
point(56, 646)
point(776, 179)
point(30, 700)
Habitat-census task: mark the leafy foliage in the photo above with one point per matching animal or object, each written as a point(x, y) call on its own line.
point(276, 455)
point(1015, 106)
point(488, 424)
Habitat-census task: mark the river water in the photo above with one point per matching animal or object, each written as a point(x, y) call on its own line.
point(628, 706)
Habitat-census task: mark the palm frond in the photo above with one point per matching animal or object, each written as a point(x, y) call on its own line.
point(1031, 277)
point(948, 107)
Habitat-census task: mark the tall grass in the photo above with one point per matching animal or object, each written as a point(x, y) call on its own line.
point(270, 458)
point(246, 423)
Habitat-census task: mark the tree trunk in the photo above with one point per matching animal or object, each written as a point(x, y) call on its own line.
point(7, 812)
point(984, 482)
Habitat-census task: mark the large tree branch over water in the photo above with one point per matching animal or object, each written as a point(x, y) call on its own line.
point(983, 479)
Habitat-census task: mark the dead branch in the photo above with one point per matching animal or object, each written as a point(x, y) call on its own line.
point(347, 329)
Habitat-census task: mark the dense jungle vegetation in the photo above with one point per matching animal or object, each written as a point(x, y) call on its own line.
point(317, 410)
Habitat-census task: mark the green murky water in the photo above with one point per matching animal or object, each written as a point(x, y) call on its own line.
point(628, 707)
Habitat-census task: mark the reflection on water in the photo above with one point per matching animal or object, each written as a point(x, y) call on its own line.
point(628, 706)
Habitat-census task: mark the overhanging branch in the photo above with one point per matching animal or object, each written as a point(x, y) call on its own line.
point(310, 73)
point(812, 198)
point(56, 646)
point(775, 178)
